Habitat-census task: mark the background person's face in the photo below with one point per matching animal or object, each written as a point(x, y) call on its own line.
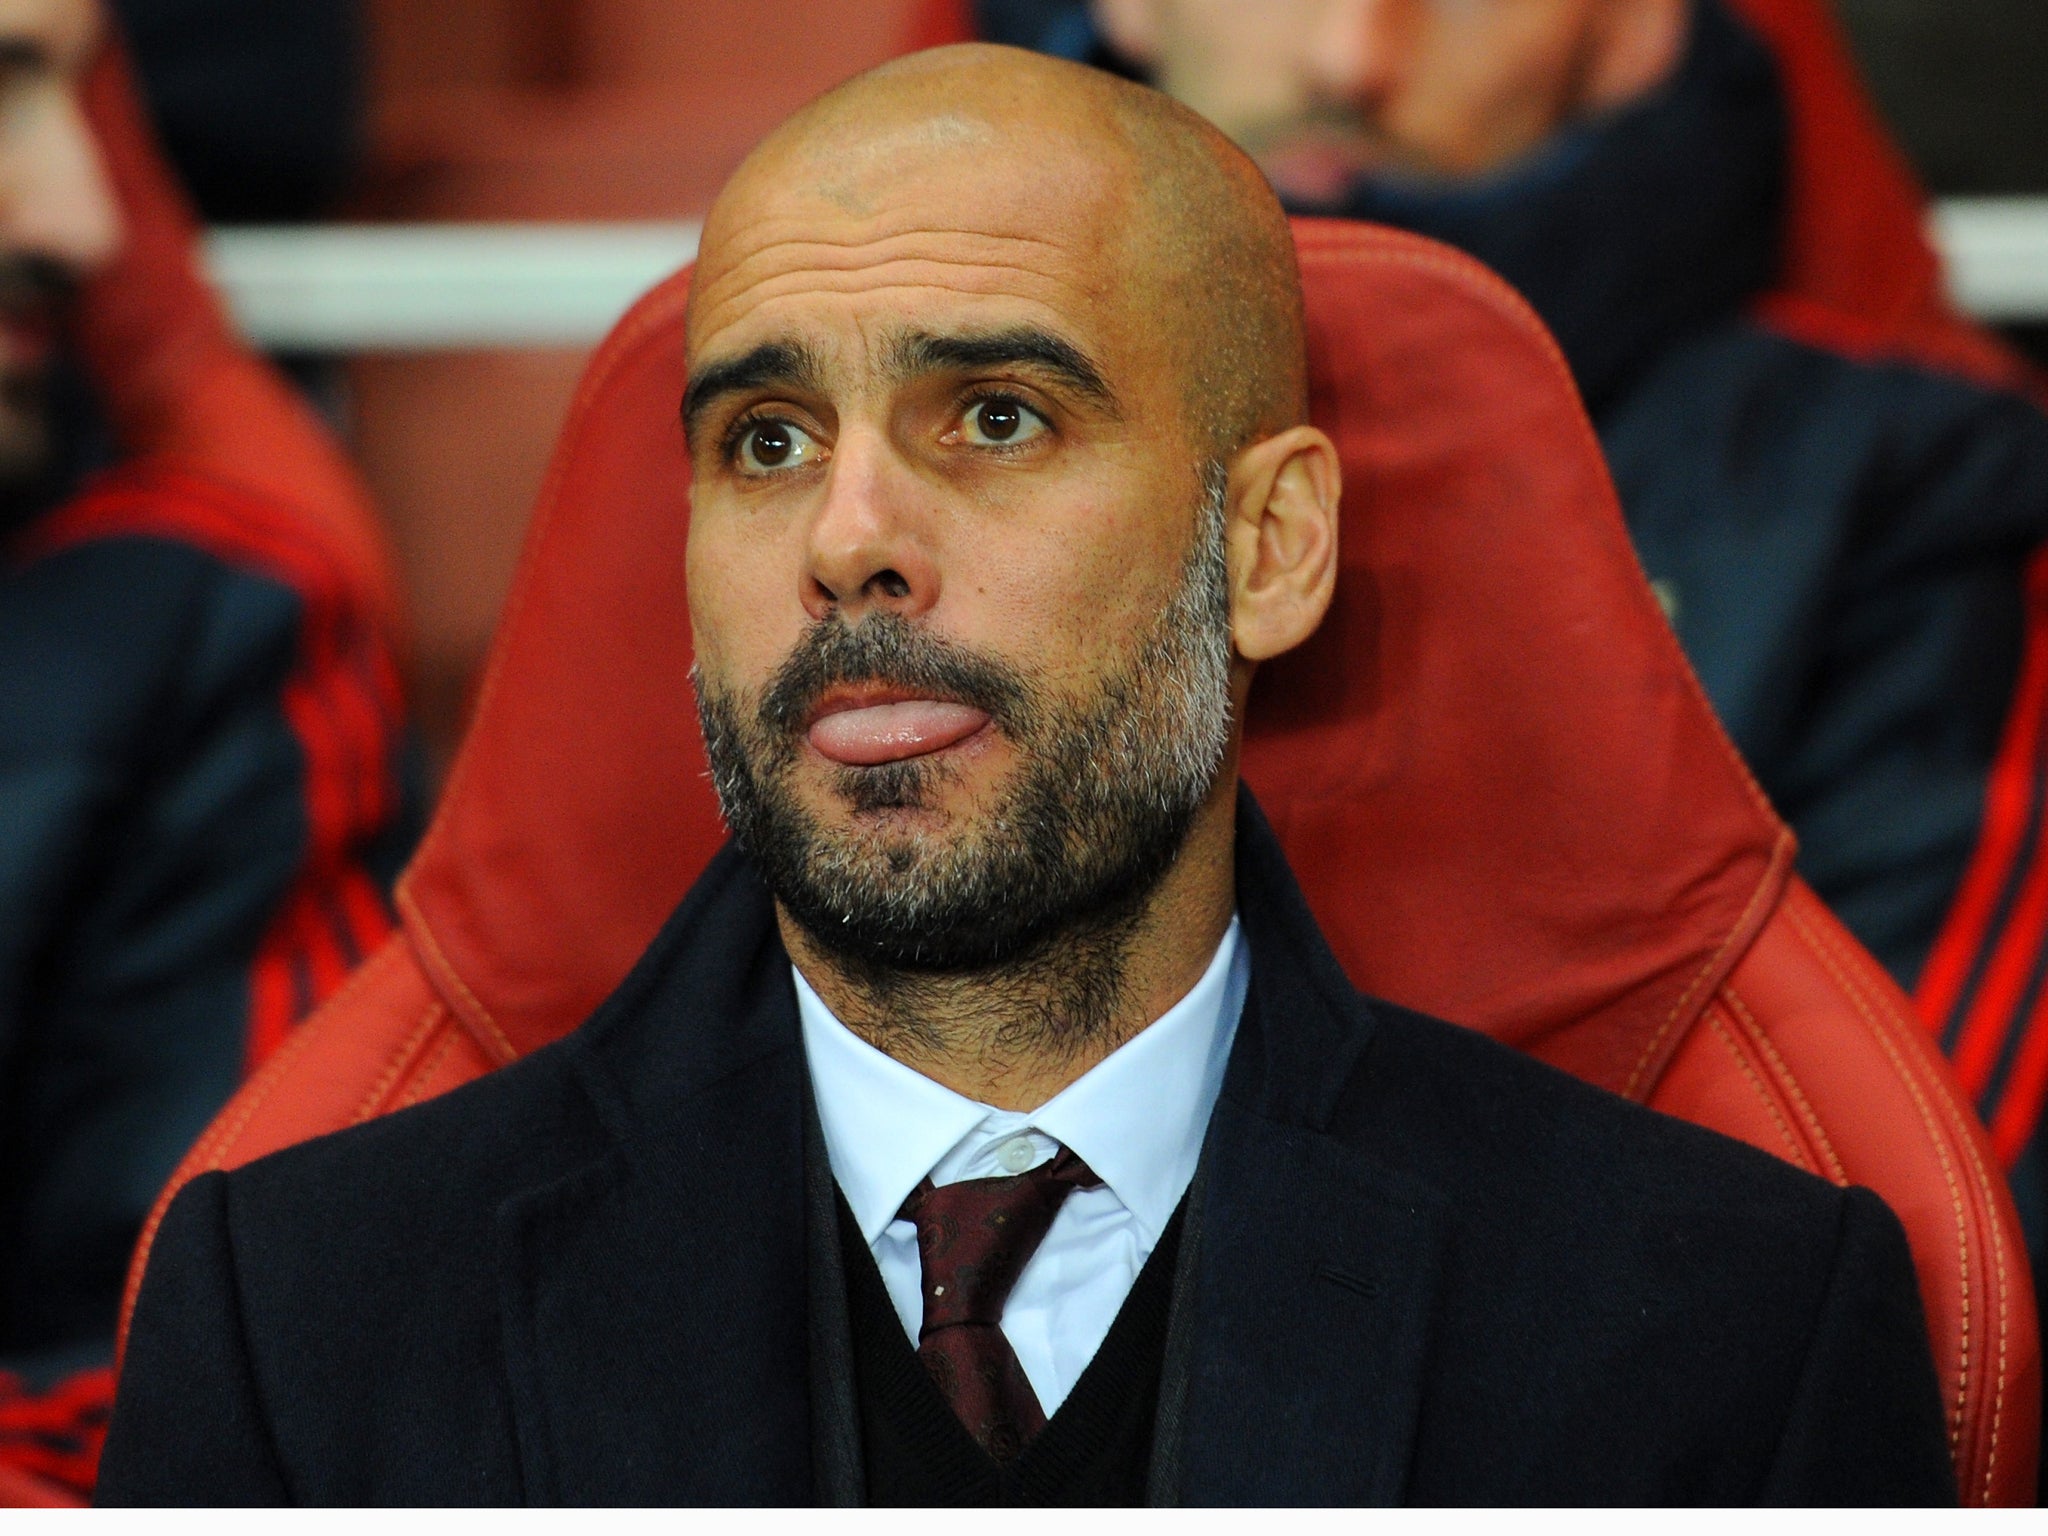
point(58, 220)
point(1320, 92)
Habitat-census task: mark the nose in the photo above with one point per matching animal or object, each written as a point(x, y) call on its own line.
point(59, 203)
point(1351, 53)
point(868, 550)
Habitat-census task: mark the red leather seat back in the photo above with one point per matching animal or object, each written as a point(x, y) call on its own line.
point(1505, 796)
point(1494, 730)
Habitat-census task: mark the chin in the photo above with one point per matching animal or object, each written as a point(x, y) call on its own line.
point(879, 799)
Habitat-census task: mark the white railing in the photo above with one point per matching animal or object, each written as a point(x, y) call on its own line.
point(1997, 253)
point(435, 287)
point(410, 288)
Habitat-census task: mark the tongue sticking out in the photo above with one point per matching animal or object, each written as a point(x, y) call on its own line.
point(886, 733)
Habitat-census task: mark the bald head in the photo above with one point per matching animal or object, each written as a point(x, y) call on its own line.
point(999, 492)
point(1172, 225)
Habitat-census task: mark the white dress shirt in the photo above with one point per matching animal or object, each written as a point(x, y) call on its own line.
point(1137, 1118)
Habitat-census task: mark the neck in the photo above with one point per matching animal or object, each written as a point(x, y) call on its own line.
point(1014, 1035)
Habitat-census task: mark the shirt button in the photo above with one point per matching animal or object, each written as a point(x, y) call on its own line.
point(1016, 1154)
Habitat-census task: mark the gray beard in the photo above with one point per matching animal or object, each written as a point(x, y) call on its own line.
point(1036, 904)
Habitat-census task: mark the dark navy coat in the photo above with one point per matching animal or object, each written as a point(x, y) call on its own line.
point(198, 813)
point(1417, 1267)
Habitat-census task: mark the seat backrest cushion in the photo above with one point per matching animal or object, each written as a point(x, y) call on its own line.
point(1505, 796)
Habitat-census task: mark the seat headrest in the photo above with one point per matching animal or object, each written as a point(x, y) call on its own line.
point(1507, 800)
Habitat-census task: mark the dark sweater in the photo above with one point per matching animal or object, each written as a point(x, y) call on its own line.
point(1095, 1451)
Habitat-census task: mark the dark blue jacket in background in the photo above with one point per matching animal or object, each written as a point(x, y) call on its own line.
point(1839, 540)
point(177, 711)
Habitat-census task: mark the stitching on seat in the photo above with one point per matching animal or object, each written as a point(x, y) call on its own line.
point(416, 1090)
point(1789, 1083)
point(1798, 1154)
point(1987, 1195)
point(423, 933)
point(1824, 952)
point(225, 1131)
point(399, 1059)
point(1764, 886)
point(206, 1155)
point(258, 1090)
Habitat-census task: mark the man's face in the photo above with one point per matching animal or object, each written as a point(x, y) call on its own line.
point(956, 578)
point(58, 221)
point(1321, 92)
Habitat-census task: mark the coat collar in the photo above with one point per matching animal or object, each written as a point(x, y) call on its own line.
point(654, 1299)
point(661, 1301)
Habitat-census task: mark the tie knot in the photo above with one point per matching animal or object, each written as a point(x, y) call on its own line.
point(975, 1237)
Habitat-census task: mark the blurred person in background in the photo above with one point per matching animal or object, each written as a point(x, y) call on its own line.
point(1837, 520)
point(199, 809)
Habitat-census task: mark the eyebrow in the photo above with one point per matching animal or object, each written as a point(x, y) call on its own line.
point(918, 352)
point(775, 362)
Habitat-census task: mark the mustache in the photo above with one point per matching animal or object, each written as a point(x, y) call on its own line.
point(34, 285)
point(891, 651)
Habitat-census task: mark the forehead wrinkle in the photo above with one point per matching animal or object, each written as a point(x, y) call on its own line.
point(806, 235)
point(810, 259)
point(766, 233)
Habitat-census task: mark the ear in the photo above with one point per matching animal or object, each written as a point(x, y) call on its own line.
point(1130, 27)
point(1282, 498)
point(1636, 46)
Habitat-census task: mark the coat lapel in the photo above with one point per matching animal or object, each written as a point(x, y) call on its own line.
point(655, 1299)
point(1295, 1366)
point(1309, 1298)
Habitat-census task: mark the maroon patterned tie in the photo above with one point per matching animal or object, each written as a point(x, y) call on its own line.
point(973, 1240)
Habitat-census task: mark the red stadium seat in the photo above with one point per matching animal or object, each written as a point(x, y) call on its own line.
point(1503, 791)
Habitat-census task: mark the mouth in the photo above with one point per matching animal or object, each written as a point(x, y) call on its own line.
point(866, 726)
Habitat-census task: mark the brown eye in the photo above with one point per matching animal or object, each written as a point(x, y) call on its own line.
point(1000, 419)
point(767, 446)
point(1001, 422)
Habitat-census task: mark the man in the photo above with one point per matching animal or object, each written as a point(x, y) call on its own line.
point(1837, 531)
point(197, 742)
point(990, 1123)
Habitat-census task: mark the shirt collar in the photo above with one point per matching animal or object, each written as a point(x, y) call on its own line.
point(1137, 1117)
